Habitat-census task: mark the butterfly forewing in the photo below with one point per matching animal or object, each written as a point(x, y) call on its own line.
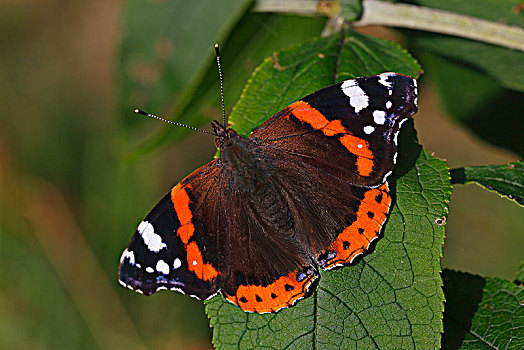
point(164, 252)
point(351, 126)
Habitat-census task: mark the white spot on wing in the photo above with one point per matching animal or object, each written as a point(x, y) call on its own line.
point(162, 267)
point(122, 283)
point(368, 129)
point(151, 239)
point(359, 146)
point(194, 262)
point(357, 97)
point(149, 269)
point(177, 263)
point(384, 81)
point(379, 117)
point(128, 254)
point(389, 104)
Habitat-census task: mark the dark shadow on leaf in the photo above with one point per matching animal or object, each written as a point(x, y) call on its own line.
point(458, 176)
point(408, 152)
point(463, 294)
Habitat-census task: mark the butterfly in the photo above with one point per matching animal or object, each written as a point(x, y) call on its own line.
point(307, 190)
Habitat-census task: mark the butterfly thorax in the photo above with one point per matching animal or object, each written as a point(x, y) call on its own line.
point(241, 157)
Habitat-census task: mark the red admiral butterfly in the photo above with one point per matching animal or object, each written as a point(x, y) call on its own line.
point(307, 190)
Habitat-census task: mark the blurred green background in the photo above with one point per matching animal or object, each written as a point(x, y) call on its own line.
point(73, 186)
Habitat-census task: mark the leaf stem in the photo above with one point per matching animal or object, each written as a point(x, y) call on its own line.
point(414, 17)
point(444, 22)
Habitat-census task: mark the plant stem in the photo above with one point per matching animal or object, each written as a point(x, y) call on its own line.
point(444, 22)
point(414, 17)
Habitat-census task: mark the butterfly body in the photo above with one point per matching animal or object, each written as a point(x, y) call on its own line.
point(244, 163)
point(306, 191)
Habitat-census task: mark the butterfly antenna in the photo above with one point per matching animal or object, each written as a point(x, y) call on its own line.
point(217, 51)
point(139, 111)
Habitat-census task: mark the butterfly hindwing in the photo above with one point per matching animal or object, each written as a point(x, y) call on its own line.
point(268, 269)
point(334, 218)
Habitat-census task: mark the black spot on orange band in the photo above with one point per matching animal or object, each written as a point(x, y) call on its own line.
point(283, 292)
point(355, 238)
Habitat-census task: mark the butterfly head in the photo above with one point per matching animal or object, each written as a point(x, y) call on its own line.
point(224, 136)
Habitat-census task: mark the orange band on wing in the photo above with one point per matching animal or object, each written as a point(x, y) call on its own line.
point(355, 239)
point(181, 202)
point(304, 112)
point(282, 293)
point(195, 263)
point(307, 114)
point(333, 128)
point(361, 149)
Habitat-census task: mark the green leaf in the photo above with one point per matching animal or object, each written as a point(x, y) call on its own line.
point(477, 101)
point(507, 180)
point(504, 65)
point(482, 313)
point(393, 297)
